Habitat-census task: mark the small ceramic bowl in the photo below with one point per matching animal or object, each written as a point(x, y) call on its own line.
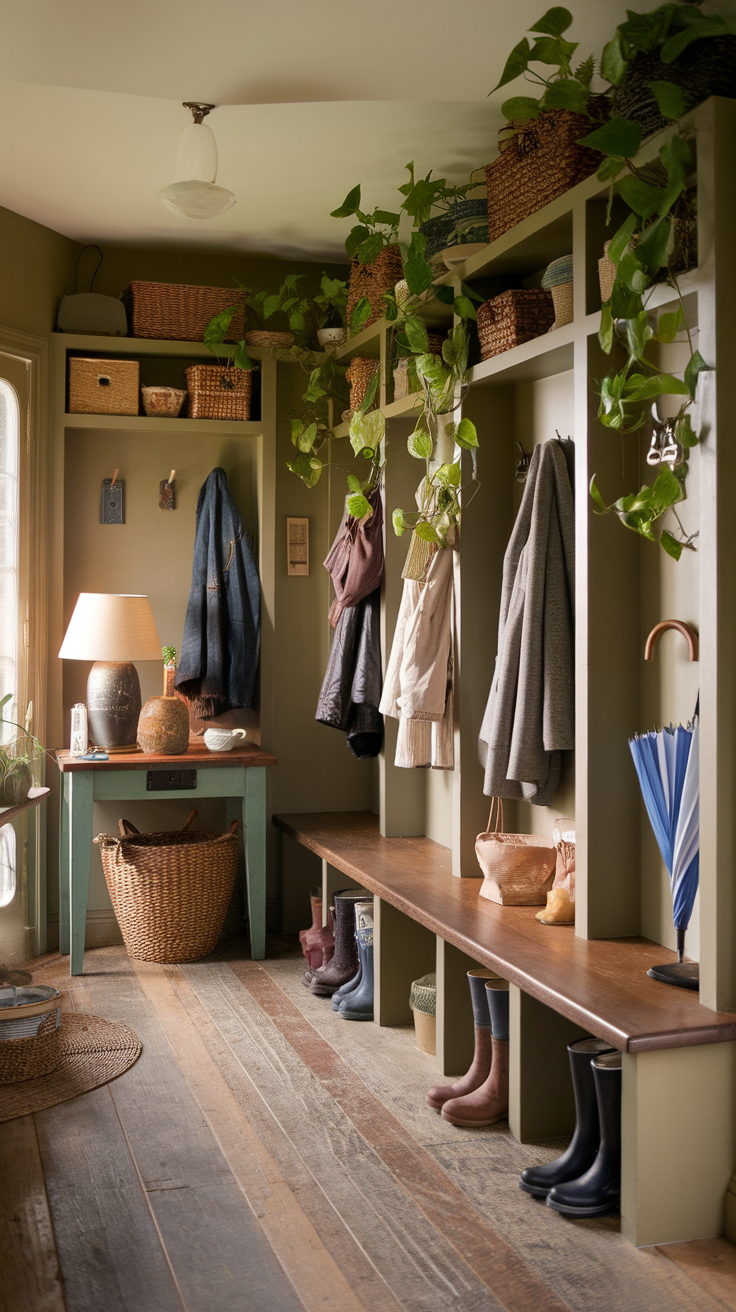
point(330, 338)
point(222, 740)
point(163, 400)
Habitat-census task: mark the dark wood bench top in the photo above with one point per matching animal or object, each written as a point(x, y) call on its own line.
point(600, 984)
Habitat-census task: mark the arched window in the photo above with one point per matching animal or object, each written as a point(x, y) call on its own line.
point(9, 546)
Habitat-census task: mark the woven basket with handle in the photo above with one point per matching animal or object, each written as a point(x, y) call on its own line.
point(512, 318)
point(518, 869)
point(30, 1035)
point(540, 161)
point(174, 312)
point(170, 891)
point(372, 280)
point(219, 392)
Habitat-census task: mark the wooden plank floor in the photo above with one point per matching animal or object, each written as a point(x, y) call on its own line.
point(266, 1156)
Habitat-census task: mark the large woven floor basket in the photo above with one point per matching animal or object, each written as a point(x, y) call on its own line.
point(170, 891)
point(175, 312)
point(372, 280)
point(30, 1034)
point(541, 161)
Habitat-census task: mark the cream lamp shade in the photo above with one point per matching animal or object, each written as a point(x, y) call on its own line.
point(108, 626)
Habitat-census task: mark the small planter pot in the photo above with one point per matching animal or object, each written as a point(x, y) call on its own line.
point(330, 338)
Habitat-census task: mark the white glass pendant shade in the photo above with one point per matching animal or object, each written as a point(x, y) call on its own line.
point(194, 194)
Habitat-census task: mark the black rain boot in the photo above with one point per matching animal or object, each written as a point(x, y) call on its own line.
point(358, 1004)
point(598, 1191)
point(344, 962)
point(581, 1154)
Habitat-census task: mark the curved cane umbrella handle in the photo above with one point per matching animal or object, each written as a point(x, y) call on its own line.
point(685, 629)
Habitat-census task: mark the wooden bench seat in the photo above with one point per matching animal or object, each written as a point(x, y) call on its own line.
point(599, 984)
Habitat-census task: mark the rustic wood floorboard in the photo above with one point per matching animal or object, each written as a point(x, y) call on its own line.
point(266, 1155)
point(29, 1263)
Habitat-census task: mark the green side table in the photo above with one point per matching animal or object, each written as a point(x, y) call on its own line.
point(239, 776)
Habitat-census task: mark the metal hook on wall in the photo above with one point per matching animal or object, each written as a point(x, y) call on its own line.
point(687, 631)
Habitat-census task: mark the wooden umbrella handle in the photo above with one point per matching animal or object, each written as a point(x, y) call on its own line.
point(685, 629)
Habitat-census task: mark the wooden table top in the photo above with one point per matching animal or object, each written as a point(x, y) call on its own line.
point(35, 795)
point(600, 984)
point(197, 756)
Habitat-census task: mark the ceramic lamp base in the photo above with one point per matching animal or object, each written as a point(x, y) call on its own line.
point(113, 705)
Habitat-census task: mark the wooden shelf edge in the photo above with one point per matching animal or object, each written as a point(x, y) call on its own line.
point(161, 424)
point(35, 797)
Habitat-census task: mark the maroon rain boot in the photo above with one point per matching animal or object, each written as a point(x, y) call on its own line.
point(318, 942)
point(481, 1064)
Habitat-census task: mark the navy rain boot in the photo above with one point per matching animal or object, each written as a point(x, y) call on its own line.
point(358, 1005)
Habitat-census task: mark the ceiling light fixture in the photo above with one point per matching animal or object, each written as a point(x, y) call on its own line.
point(195, 195)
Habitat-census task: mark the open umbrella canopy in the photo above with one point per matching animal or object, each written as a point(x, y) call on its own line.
point(668, 765)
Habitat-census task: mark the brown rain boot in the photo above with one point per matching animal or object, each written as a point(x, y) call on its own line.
point(481, 1064)
point(344, 962)
point(489, 1103)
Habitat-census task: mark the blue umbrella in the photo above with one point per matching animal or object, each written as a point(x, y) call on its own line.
point(668, 767)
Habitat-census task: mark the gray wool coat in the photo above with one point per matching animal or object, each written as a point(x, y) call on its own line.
point(530, 716)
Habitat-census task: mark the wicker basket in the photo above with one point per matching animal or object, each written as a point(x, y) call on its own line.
point(359, 373)
point(423, 1002)
point(558, 280)
point(173, 312)
point(219, 392)
point(170, 891)
point(512, 318)
point(540, 162)
point(30, 1033)
point(103, 387)
point(706, 68)
point(372, 280)
point(269, 341)
point(470, 217)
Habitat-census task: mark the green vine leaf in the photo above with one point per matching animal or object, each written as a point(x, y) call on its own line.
point(613, 64)
point(355, 238)
point(426, 531)
point(515, 65)
point(306, 438)
point(354, 483)
point(419, 444)
point(416, 335)
point(695, 366)
point(399, 523)
point(620, 240)
point(670, 99)
point(605, 331)
point(307, 468)
point(619, 136)
point(554, 22)
point(360, 315)
point(466, 435)
point(359, 506)
point(416, 269)
point(685, 433)
point(464, 307)
point(241, 359)
point(448, 475)
point(670, 324)
point(350, 205)
point(640, 196)
point(520, 109)
point(670, 544)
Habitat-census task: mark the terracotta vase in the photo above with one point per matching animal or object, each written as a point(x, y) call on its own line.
point(163, 726)
point(318, 943)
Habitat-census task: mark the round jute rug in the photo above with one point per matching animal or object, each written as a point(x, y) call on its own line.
point(95, 1051)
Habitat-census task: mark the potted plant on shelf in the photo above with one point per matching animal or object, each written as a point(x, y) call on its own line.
point(674, 55)
point(462, 220)
point(18, 760)
point(330, 311)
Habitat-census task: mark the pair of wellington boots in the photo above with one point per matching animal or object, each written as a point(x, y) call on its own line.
point(354, 1000)
point(318, 942)
point(481, 1096)
point(586, 1180)
point(343, 964)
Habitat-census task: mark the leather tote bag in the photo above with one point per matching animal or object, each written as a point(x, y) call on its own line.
point(518, 869)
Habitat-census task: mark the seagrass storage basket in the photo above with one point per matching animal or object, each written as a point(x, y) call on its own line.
point(269, 341)
point(103, 387)
point(30, 1033)
point(512, 318)
point(558, 280)
point(372, 280)
point(539, 162)
point(175, 312)
point(359, 373)
point(423, 1002)
point(706, 68)
point(170, 891)
point(219, 391)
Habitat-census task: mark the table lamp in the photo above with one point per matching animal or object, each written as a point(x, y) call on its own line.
point(113, 631)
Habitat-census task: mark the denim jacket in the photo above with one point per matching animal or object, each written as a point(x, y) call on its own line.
point(219, 657)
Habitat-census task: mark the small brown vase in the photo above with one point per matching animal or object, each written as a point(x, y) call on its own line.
point(163, 726)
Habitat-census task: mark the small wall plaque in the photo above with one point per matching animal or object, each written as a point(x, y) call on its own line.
point(112, 506)
point(297, 546)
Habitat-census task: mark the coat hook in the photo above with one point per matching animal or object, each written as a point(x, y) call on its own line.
point(115, 473)
point(172, 476)
point(687, 631)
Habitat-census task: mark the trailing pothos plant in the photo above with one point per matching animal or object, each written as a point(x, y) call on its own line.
point(289, 307)
point(643, 252)
point(565, 87)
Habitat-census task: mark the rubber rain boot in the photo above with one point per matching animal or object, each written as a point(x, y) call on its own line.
point(480, 1066)
point(344, 961)
point(598, 1191)
point(344, 989)
point(358, 1005)
point(318, 942)
point(490, 1102)
point(581, 1154)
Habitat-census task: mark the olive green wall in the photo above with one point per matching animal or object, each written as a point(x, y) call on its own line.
point(123, 264)
point(36, 269)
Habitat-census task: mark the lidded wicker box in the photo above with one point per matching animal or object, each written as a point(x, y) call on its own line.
point(514, 317)
point(30, 1033)
point(219, 391)
point(103, 387)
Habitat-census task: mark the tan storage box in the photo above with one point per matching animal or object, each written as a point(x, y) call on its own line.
point(103, 387)
point(219, 392)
